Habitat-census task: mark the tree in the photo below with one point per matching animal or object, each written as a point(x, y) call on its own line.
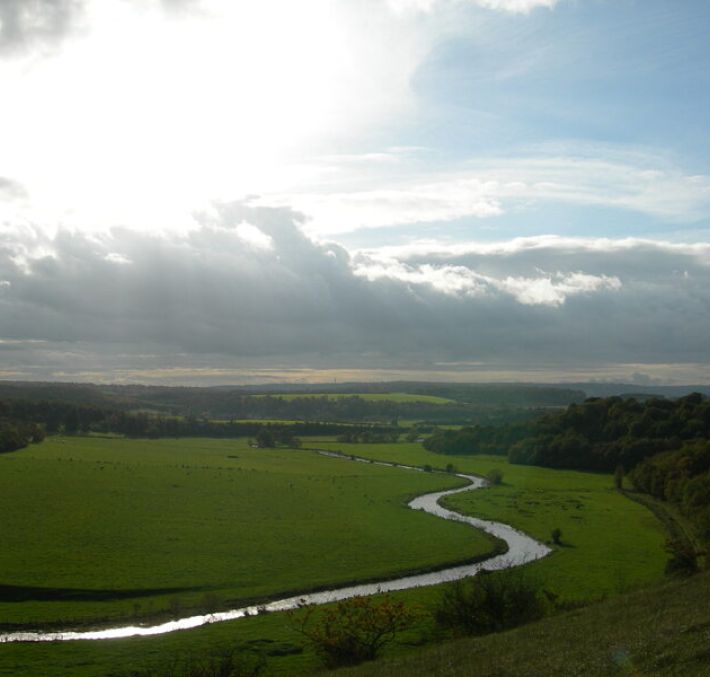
point(264, 439)
point(490, 602)
point(556, 536)
point(494, 476)
point(683, 559)
point(71, 422)
point(353, 630)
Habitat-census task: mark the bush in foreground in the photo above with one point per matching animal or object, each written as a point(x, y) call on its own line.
point(353, 630)
point(683, 560)
point(490, 602)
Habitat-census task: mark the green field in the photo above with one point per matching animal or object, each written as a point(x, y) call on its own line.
point(219, 522)
point(374, 397)
point(609, 543)
point(98, 529)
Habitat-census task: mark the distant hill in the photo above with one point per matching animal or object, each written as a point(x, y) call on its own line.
point(637, 391)
point(438, 401)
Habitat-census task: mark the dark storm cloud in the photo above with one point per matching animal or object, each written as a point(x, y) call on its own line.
point(30, 23)
point(230, 290)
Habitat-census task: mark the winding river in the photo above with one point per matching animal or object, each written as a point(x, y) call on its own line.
point(521, 550)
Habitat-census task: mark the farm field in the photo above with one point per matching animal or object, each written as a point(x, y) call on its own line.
point(609, 543)
point(374, 397)
point(98, 529)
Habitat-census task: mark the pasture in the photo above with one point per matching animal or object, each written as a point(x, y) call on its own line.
point(98, 529)
point(101, 530)
point(609, 543)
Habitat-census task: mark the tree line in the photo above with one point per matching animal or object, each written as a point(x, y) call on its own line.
point(599, 434)
point(18, 434)
point(29, 420)
point(681, 477)
point(478, 439)
point(473, 404)
point(662, 445)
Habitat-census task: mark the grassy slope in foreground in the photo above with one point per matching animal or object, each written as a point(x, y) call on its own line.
point(660, 631)
point(609, 543)
point(132, 528)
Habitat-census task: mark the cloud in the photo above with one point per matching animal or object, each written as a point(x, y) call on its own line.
point(516, 6)
point(550, 289)
point(30, 23)
point(511, 6)
point(223, 120)
point(128, 301)
point(628, 180)
point(414, 203)
point(11, 190)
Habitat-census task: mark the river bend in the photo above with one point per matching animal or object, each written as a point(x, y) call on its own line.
point(521, 550)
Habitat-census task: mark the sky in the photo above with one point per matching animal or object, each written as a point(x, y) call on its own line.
point(213, 192)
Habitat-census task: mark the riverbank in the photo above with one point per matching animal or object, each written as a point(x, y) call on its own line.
point(658, 631)
point(520, 549)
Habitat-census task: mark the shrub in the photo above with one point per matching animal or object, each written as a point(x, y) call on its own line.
point(494, 476)
point(490, 602)
point(683, 560)
point(353, 630)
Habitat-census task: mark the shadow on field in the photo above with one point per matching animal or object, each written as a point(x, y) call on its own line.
point(20, 593)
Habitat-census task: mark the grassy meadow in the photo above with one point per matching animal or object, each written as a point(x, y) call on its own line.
point(609, 543)
point(107, 529)
point(97, 529)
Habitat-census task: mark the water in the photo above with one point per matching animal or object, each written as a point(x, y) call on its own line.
point(521, 550)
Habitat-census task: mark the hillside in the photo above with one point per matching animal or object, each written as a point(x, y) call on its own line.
point(663, 630)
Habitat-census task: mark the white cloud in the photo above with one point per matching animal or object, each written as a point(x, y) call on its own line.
point(453, 280)
point(427, 201)
point(553, 290)
point(548, 289)
point(515, 6)
point(422, 249)
point(206, 104)
point(253, 236)
point(114, 257)
point(511, 6)
point(644, 183)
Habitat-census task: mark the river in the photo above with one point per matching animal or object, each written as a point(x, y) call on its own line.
point(521, 550)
